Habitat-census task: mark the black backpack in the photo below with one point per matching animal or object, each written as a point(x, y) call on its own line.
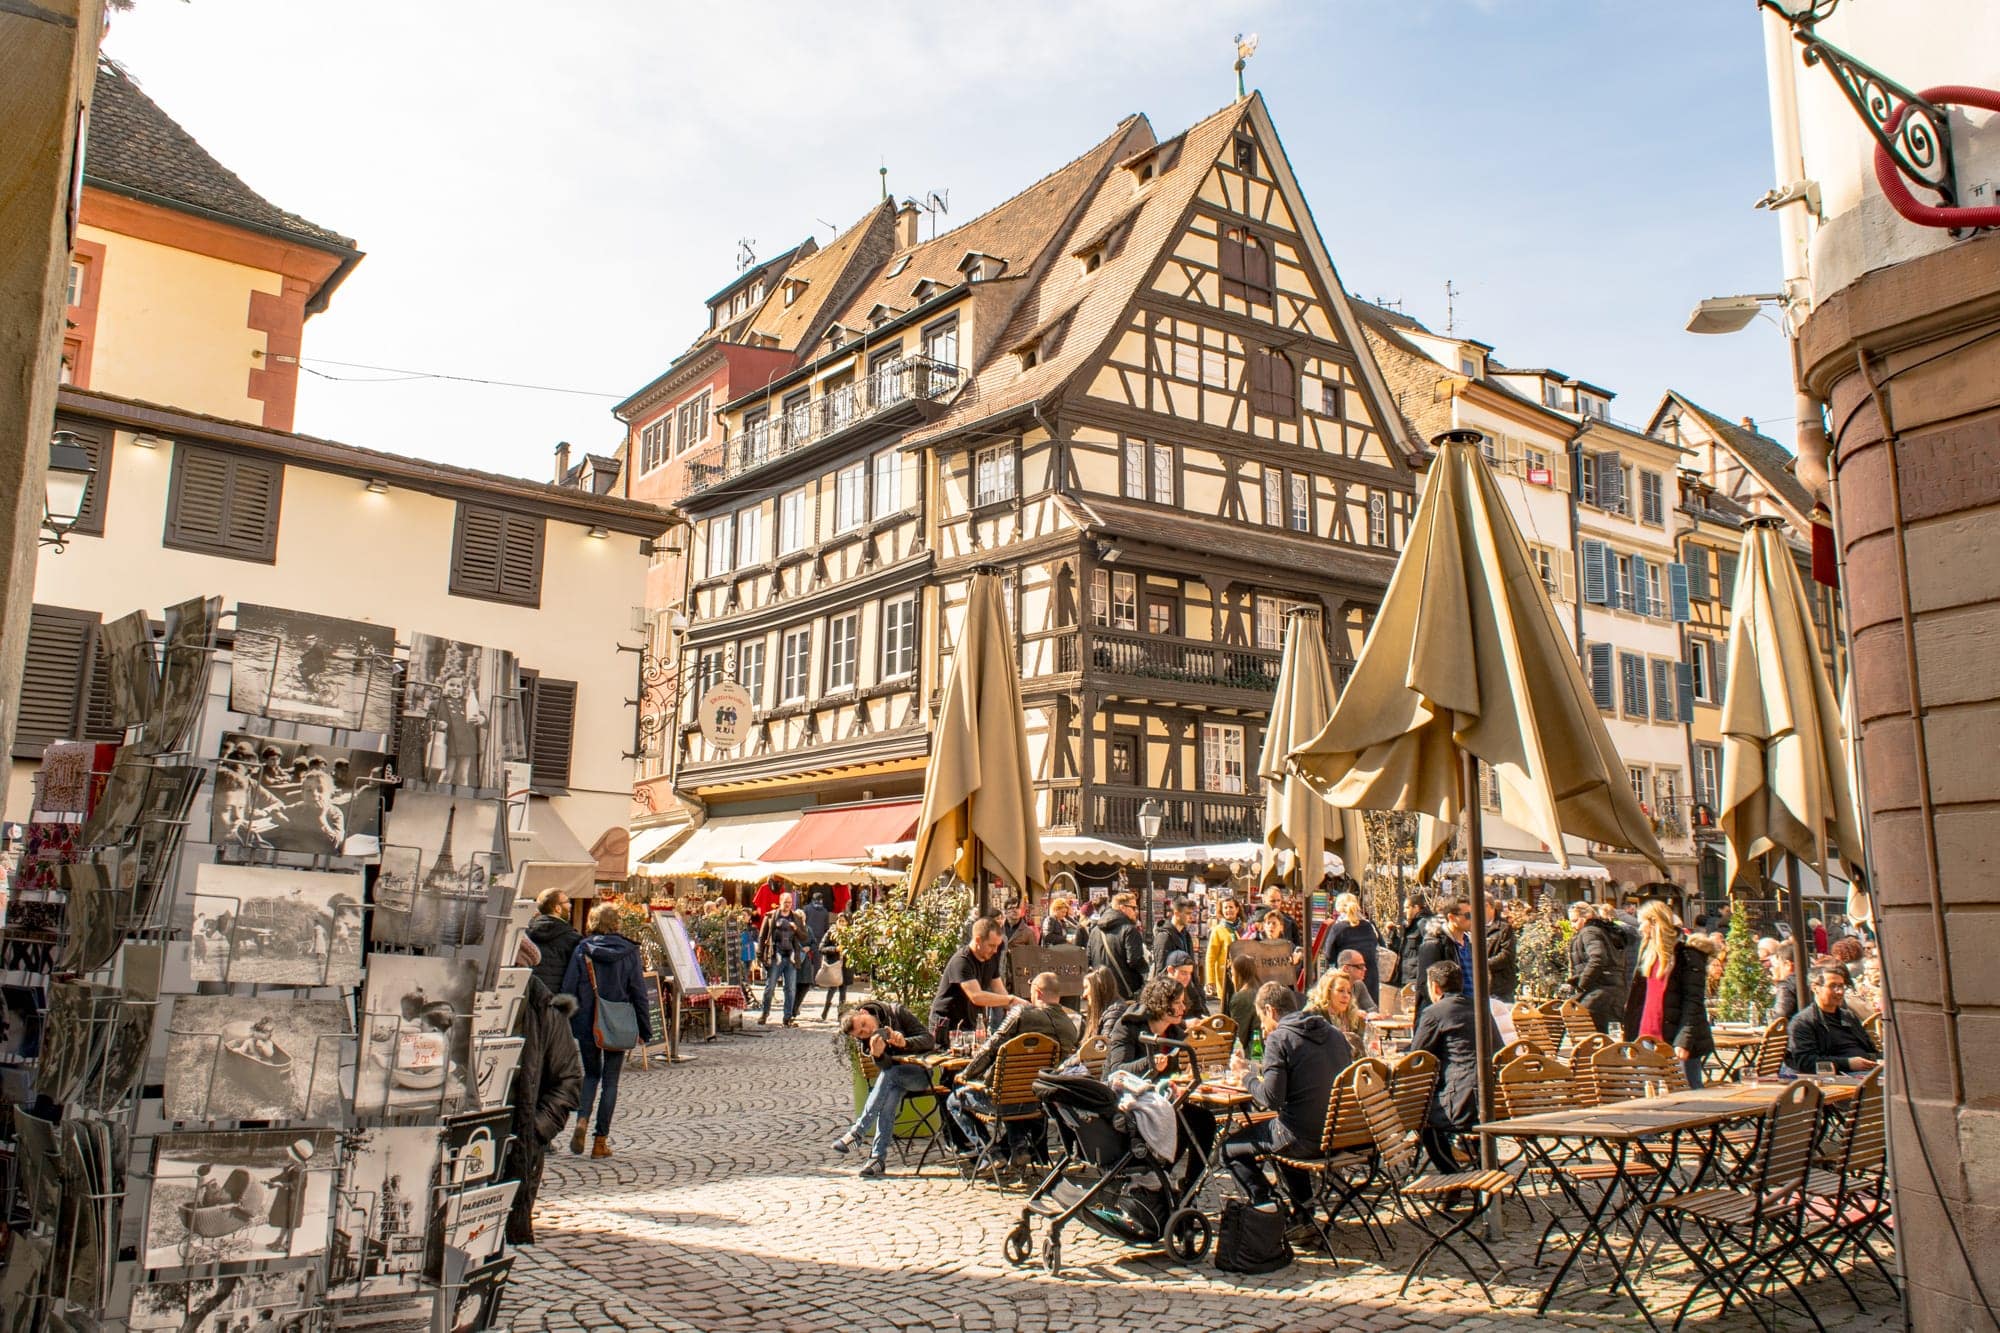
point(1251, 1240)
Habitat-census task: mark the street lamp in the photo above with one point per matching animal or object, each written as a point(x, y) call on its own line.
point(1149, 829)
point(1727, 314)
point(66, 489)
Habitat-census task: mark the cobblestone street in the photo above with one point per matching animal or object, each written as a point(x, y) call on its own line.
point(724, 1212)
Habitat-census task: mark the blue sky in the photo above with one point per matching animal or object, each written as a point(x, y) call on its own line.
point(546, 196)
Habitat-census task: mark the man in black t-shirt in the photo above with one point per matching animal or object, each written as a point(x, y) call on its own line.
point(971, 982)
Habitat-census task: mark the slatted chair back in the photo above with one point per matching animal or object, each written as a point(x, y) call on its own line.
point(1619, 1073)
point(1011, 1080)
point(870, 1071)
point(1346, 1122)
point(1577, 1022)
point(1579, 1060)
point(1790, 1129)
point(1771, 1050)
point(1872, 1025)
point(1394, 1149)
point(1864, 1153)
point(1210, 1049)
point(1513, 1050)
point(1660, 1058)
point(1535, 1085)
point(1541, 1030)
point(1092, 1052)
point(1412, 1081)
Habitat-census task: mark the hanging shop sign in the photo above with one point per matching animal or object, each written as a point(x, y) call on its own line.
point(724, 714)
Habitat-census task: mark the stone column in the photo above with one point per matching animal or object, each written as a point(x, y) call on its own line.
point(1908, 360)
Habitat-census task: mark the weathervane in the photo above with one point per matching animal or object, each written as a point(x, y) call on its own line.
point(1245, 48)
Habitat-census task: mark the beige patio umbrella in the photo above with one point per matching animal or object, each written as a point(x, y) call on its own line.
point(1466, 662)
point(979, 802)
point(1298, 821)
point(1785, 782)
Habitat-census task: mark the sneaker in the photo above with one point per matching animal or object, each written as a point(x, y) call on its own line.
point(875, 1169)
point(843, 1143)
point(1302, 1236)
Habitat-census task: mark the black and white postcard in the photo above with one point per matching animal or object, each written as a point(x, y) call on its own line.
point(298, 796)
point(476, 1221)
point(475, 1302)
point(387, 1207)
point(416, 1035)
point(277, 926)
point(384, 1314)
point(436, 884)
point(255, 1057)
point(494, 1062)
point(475, 1147)
point(131, 666)
point(235, 1196)
point(461, 704)
point(184, 665)
point(301, 667)
point(20, 1022)
point(286, 1301)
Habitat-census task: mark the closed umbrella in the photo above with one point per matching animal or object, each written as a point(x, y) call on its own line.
point(1467, 662)
point(1298, 821)
point(1785, 782)
point(979, 803)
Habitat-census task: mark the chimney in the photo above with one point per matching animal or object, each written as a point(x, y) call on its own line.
point(562, 461)
point(1749, 424)
point(906, 224)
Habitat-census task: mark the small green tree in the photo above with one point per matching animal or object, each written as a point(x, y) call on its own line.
point(1745, 984)
point(904, 946)
point(1542, 952)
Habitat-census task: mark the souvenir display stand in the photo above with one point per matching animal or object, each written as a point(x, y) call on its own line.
point(259, 1032)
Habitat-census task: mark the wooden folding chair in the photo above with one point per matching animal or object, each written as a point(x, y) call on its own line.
point(1538, 1084)
point(1538, 1027)
point(1413, 1078)
point(1579, 1062)
point(1346, 1164)
point(1092, 1052)
point(1010, 1092)
point(1577, 1022)
point(1209, 1049)
point(1622, 1071)
point(1849, 1199)
point(1514, 1050)
point(1222, 1023)
point(1456, 1199)
point(926, 1106)
point(1770, 1061)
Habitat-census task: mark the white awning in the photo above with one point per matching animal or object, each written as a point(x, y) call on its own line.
point(1525, 866)
point(806, 874)
point(896, 851)
point(1088, 851)
point(550, 843)
point(730, 838)
point(1251, 854)
point(660, 839)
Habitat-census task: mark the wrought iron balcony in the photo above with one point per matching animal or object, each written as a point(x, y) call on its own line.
point(898, 388)
point(1186, 817)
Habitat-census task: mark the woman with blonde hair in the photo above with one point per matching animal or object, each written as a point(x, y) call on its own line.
point(1668, 1000)
point(1350, 930)
point(1333, 995)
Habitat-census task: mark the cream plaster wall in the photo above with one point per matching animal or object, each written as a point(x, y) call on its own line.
point(385, 559)
point(172, 327)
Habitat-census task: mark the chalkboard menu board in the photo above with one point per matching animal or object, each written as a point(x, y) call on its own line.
point(653, 996)
point(1273, 958)
point(1025, 961)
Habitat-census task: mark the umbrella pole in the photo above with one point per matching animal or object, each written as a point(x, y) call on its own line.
point(1310, 968)
point(1482, 991)
point(1795, 912)
point(982, 894)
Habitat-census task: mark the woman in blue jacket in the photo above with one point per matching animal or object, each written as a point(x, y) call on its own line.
point(605, 965)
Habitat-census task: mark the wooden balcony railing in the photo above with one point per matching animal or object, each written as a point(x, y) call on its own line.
point(1186, 817)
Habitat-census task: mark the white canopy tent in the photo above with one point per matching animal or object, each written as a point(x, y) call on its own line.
point(730, 839)
point(1527, 867)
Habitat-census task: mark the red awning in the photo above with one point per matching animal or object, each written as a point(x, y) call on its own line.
point(845, 833)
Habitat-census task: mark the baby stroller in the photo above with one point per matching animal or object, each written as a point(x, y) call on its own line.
point(1131, 1197)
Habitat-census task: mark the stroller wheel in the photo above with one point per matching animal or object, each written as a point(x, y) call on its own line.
point(1019, 1245)
point(1052, 1254)
point(1188, 1234)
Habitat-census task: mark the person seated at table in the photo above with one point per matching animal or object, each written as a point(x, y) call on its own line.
point(1446, 1030)
point(1100, 997)
point(1356, 967)
point(971, 982)
point(1157, 1012)
point(1333, 997)
point(1827, 1030)
point(1180, 966)
point(1242, 1006)
point(892, 1036)
point(1044, 1014)
point(1785, 987)
point(1668, 1000)
point(1303, 1055)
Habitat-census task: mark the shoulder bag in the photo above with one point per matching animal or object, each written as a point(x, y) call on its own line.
point(614, 1023)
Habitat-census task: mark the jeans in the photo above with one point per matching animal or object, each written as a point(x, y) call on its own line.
point(599, 1068)
point(789, 970)
point(1240, 1152)
point(834, 998)
point(885, 1103)
point(962, 1104)
point(1692, 1068)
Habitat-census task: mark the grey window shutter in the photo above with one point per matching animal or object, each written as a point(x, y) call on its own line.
point(1684, 690)
point(1677, 593)
point(1721, 671)
point(1595, 590)
point(1600, 677)
point(1725, 578)
point(224, 504)
point(197, 512)
point(1697, 573)
point(1610, 482)
point(1663, 692)
point(253, 504)
point(551, 730)
point(1641, 602)
point(1633, 669)
point(95, 440)
point(1651, 497)
point(54, 678)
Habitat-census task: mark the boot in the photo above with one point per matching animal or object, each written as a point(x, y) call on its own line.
point(600, 1146)
point(576, 1140)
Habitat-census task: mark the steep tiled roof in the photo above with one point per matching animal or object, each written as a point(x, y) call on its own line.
point(1416, 382)
point(1771, 461)
point(830, 277)
point(136, 148)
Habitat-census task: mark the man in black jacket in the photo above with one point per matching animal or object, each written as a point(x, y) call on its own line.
point(1502, 953)
point(1827, 1030)
point(1450, 943)
point(547, 1086)
point(1172, 936)
point(554, 936)
point(891, 1035)
point(1416, 929)
point(1303, 1055)
point(1447, 1031)
point(1597, 966)
point(1115, 944)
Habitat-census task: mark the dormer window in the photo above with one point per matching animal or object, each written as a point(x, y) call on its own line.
point(836, 335)
point(901, 263)
point(926, 289)
point(979, 267)
point(793, 289)
point(880, 314)
point(1152, 163)
point(1044, 342)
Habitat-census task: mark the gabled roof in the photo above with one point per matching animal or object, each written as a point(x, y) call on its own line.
point(830, 277)
point(1770, 460)
point(764, 268)
point(136, 149)
point(1416, 382)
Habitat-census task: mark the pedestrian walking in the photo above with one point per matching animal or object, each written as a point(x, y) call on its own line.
point(604, 971)
point(832, 975)
point(1668, 998)
point(548, 1083)
point(782, 943)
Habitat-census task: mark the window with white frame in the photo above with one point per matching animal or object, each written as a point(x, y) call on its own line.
point(721, 545)
point(653, 443)
point(885, 496)
point(1302, 504)
point(691, 423)
point(899, 637)
point(1135, 469)
point(1708, 774)
point(1270, 615)
point(1701, 662)
point(1637, 777)
point(843, 642)
point(1656, 604)
point(1124, 601)
point(1197, 362)
point(993, 475)
point(795, 664)
point(750, 669)
point(1274, 497)
point(941, 341)
point(794, 526)
point(1378, 519)
point(1163, 474)
point(1545, 565)
point(750, 536)
point(850, 497)
point(1222, 766)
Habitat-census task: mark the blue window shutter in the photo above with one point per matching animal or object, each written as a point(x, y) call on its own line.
point(1641, 602)
point(1600, 677)
point(1663, 691)
point(1610, 482)
point(1697, 573)
point(1594, 580)
point(1634, 671)
point(1722, 672)
point(1684, 688)
point(1677, 593)
point(1725, 577)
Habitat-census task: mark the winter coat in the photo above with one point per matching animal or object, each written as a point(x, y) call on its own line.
point(1364, 939)
point(1446, 1031)
point(615, 960)
point(1126, 1048)
point(1684, 1007)
point(1216, 961)
point(548, 1084)
point(1169, 938)
point(557, 939)
point(1503, 959)
point(1303, 1055)
point(1597, 971)
point(1438, 947)
point(1058, 933)
point(1414, 935)
point(1050, 1020)
point(1115, 944)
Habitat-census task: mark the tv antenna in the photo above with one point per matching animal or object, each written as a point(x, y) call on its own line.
point(746, 253)
point(1387, 304)
point(936, 202)
point(1451, 295)
point(1245, 48)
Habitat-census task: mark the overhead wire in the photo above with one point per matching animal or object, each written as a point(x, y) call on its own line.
point(402, 374)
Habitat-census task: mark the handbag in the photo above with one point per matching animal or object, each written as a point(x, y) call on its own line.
point(1251, 1240)
point(832, 975)
point(614, 1023)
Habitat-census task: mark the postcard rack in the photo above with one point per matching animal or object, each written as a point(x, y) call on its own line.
point(211, 1039)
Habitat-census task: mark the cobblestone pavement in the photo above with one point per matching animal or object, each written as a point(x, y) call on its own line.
point(724, 1212)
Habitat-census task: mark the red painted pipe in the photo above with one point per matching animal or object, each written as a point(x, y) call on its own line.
point(1897, 191)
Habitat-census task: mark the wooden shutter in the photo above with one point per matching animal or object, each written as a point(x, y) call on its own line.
point(1725, 578)
point(1663, 691)
point(53, 678)
point(1596, 573)
point(1274, 386)
point(1601, 689)
point(94, 439)
point(1256, 270)
point(1260, 383)
point(551, 731)
point(1677, 594)
point(1641, 601)
point(1684, 690)
point(224, 504)
point(1610, 482)
point(497, 555)
point(1721, 660)
point(1633, 670)
point(1697, 573)
point(1230, 260)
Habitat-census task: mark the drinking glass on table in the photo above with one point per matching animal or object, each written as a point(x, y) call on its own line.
point(1826, 1069)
